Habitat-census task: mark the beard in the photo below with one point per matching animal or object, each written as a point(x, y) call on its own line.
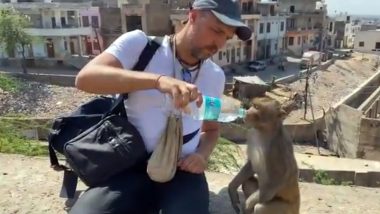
point(203, 53)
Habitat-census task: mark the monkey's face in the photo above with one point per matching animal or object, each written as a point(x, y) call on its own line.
point(264, 113)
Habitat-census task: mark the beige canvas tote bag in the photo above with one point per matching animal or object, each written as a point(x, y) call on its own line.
point(162, 164)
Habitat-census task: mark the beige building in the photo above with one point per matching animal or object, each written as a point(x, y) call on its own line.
point(269, 30)
point(150, 16)
point(305, 25)
point(57, 29)
point(368, 41)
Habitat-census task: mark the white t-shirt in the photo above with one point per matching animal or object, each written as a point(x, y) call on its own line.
point(146, 108)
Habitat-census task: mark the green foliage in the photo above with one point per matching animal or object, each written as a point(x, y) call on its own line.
point(12, 142)
point(12, 33)
point(321, 177)
point(226, 157)
point(10, 84)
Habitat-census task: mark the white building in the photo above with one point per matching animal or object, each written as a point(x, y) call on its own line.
point(56, 28)
point(346, 30)
point(270, 30)
point(368, 42)
point(351, 30)
point(235, 50)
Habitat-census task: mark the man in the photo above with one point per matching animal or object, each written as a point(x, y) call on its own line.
point(182, 69)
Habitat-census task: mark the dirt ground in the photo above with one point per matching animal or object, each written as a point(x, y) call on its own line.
point(28, 185)
point(329, 86)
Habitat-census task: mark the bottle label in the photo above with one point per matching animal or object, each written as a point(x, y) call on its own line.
point(212, 108)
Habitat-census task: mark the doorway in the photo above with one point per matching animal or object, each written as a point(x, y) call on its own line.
point(50, 48)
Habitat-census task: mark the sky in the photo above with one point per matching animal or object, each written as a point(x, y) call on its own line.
point(354, 7)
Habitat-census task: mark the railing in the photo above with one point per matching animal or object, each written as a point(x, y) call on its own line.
point(59, 31)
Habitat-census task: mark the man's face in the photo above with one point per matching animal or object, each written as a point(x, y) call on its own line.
point(207, 34)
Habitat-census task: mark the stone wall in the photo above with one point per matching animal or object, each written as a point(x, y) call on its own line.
point(60, 80)
point(362, 93)
point(343, 130)
point(233, 132)
point(369, 146)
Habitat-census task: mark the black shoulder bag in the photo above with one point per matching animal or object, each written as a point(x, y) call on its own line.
point(97, 139)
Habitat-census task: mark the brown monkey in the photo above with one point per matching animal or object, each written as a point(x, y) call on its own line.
point(269, 179)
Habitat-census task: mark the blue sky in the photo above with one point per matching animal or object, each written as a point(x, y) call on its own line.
point(355, 7)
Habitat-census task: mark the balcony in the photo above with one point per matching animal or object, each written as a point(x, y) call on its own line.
point(313, 13)
point(77, 31)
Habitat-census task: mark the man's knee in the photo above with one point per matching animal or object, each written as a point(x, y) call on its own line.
point(126, 193)
point(187, 193)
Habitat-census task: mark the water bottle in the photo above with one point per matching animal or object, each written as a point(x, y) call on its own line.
point(212, 109)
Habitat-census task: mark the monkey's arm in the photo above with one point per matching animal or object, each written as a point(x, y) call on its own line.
point(244, 174)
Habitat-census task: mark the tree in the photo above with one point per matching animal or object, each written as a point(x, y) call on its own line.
point(12, 33)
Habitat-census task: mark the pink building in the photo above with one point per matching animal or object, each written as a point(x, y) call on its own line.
point(91, 18)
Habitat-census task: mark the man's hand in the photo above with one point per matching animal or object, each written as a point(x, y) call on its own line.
point(182, 92)
point(194, 163)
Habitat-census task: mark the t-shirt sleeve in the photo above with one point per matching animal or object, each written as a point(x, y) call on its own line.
point(217, 88)
point(127, 47)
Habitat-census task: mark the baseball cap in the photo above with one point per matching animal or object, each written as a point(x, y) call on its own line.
point(228, 12)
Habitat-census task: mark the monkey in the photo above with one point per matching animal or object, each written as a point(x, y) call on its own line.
point(269, 178)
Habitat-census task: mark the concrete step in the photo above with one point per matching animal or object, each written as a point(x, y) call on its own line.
point(358, 172)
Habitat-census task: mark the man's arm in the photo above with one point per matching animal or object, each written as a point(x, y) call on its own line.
point(104, 75)
point(197, 162)
point(209, 138)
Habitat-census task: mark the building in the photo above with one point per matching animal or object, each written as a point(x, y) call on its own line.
point(368, 26)
point(57, 29)
point(346, 30)
point(90, 17)
point(330, 33)
point(269, 30)
point(305, 25)
point(109, 12)
point(368, 42)
point(152, 17)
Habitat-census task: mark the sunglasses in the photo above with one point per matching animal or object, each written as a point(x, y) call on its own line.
point(186, 75)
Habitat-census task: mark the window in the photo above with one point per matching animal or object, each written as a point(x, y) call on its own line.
point(220, 55)
point(85, 21)
point(94, 21)
point(63, 21)
point(377, 46)
point(261, 27)
point(53, 23)
point(238, 52)
point(292, 8)
point(291, 41)
point(228, 56)
point(282, 26)
point(361, 44)
point(268, 27)
point(291, 23)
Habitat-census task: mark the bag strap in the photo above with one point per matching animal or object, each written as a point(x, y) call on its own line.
point(146, 55)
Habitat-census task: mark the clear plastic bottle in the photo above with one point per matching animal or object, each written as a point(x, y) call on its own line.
point(212, 109)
